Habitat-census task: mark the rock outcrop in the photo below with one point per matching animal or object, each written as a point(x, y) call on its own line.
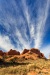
point(25, 51)
point(13, 52)
point(26, 54)
point(33, 50)
point(36, 51)
point(32, 54)
point(1, 53)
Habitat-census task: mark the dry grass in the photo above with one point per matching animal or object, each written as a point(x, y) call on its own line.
point(39, 66)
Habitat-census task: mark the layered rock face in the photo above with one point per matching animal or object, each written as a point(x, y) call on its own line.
point(27, 53)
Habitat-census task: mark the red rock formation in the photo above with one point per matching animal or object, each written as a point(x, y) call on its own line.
point(1, 53)
point(32, 54)
point(35, 50)
point(28, 54)
point(41, 55)
point(25, 51)
point(13, 52)
point(5, 53)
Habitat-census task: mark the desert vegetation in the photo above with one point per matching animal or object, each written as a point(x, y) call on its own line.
point(39, 66)
point(28, 63)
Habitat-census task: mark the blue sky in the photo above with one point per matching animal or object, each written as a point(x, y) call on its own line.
point(25, 24)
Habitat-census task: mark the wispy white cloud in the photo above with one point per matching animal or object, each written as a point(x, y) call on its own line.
point(26, 12)
point(24, 43)
point(5, 43)
point(41, 20)
point(12, 21)
point(8, 17)
point(8, 20)
point(28, 18)
point(32, 31)
point(42, 13)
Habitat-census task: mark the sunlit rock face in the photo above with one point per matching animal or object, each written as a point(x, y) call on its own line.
point(13, 52)
point(32, 53)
